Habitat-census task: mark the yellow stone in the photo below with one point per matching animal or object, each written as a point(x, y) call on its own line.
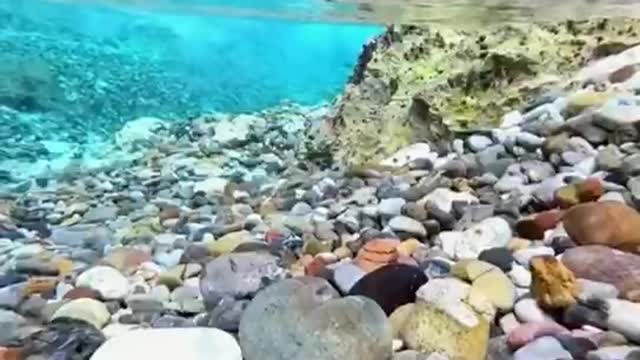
point(408, 247)
point(175, 276)
point(496, 286)
point(92, 311)
point(343, 252)
point(429, 330)
point(482, 304)
point(580, 100)
point(399, 317)
point(471, 269)
point(518, 244)
point(313, 246)
point(229, 242)
point(552, 284)
point(65, 266)
point(71, 220)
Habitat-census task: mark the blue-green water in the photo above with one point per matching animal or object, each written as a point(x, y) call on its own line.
point(70, 71)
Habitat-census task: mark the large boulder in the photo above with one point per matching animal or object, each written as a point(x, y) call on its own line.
point(303, 318)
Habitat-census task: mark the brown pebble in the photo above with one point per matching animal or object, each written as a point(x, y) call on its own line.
point(622, 74)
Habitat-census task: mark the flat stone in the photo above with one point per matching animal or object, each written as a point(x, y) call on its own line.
point(345, 275)
point(545, 347)
point(377, 253)
point(126, 259)
point(100, 214)
point(391, 207)
point(624, 318)
point(187, 299)
point(409, 154)
point(211, 186)
point(10, 323)
point(618, 112)
point(171, 344)
point(478, 142)
point(508, 322)
point(527, 310)
point(109, 282)
point(621, 269)
point(229, 242)
point(92, 311)
point(489, 233)
point(238, 275)
point(595, 290)
point(631, 165)
point(609, 158)
point(537, 170)
point(497, 287)
point(508, 183)
point(407, 225)
point(528, 332)
point(612, 353)
point(443, 199)
point(524, 256)
point(529, 141)
point(520, 276)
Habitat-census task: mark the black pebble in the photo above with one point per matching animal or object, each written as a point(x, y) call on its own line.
point(391, 286)
point(499, 256)
point(576, 316)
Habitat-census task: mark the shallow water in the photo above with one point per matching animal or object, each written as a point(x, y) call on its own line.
point(74, 72)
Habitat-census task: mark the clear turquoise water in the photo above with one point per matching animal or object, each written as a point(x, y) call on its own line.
point(75, 70)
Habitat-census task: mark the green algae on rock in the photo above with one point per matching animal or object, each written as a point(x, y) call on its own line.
point(423, 83)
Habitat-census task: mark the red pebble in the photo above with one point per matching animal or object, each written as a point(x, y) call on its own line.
point(9, 353)
point(533, 227)
point(316, 267)
point(590, 190)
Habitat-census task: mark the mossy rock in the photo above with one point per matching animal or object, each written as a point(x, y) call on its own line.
point(430, 329)
point(422, 83)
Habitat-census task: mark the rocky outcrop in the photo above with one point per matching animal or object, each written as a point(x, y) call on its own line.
point(419, 83)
